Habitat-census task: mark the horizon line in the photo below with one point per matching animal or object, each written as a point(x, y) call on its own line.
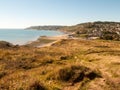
point(60, 24)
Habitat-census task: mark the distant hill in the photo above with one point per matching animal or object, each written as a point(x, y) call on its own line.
point(103, 30)
point(45, 27)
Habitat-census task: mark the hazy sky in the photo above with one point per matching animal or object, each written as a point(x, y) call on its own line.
point(24, 13)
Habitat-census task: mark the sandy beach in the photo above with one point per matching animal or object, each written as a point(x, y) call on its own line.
point(45, 41)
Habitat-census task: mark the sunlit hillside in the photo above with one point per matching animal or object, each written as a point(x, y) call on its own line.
point(66, 65)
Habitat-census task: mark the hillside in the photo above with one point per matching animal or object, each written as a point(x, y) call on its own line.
point(45, 27)
point(66, 65)
point(102, 30)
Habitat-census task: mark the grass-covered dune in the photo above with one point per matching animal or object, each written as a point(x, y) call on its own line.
point(66, 65)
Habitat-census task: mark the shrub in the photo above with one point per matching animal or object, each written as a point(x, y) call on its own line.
point(2, 74)
point(65, 74)
point(36, 86)
point(92, 75)
point(76, 74)
point(63, 57)
point(107, 35)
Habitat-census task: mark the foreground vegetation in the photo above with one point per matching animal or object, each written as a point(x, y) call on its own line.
point(66, 65)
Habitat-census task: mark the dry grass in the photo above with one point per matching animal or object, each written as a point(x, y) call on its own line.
point(66, 65)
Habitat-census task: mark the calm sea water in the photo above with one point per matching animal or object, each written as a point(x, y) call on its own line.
point(20, 36)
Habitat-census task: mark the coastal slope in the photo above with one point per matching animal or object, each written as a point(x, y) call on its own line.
point(54, 27)
point(103, 30)
point(70, 63)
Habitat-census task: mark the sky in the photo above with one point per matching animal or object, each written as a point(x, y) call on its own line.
point(25, 13)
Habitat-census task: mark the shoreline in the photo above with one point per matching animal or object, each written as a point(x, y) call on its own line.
point(44, 41)
point(24, 40)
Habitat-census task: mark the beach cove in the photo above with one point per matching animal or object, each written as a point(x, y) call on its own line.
point(22, 37)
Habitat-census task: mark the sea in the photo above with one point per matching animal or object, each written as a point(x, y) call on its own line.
point(22, 36)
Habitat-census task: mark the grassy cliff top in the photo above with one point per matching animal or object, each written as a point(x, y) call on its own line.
point(66, 65)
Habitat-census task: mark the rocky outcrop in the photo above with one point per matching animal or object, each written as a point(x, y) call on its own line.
point(4, 44)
